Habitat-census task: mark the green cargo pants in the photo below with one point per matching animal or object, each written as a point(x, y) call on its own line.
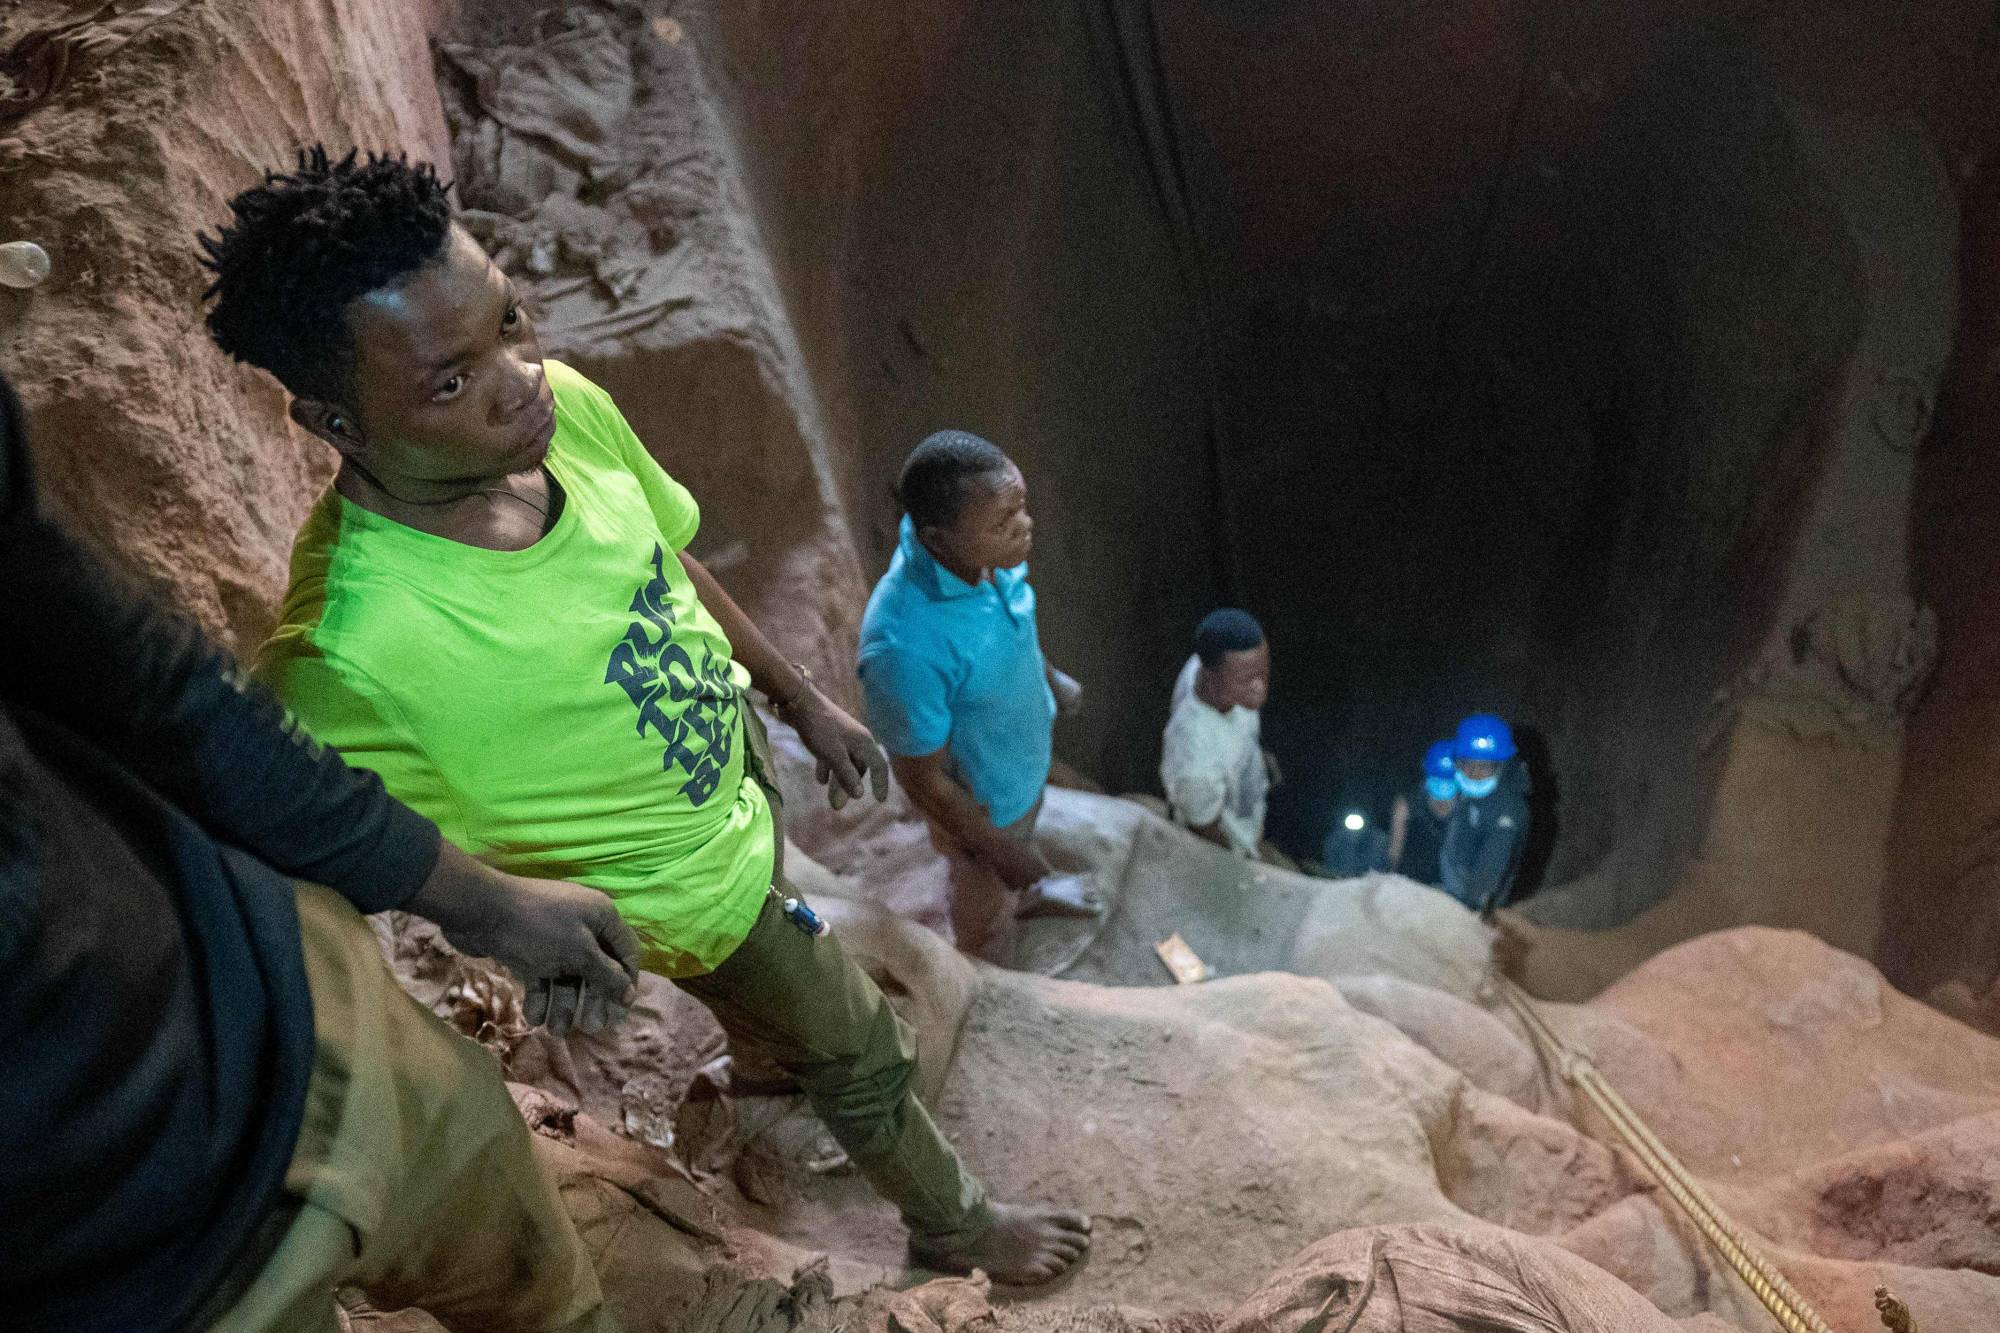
point(800, 1003)
point(413, 1178)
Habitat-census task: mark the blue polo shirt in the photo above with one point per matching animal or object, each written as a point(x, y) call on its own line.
point(947, 665)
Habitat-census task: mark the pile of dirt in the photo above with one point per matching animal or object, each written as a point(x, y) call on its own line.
point(1211, 1130)
point(181, 465)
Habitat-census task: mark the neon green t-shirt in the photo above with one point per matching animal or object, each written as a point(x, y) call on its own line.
point(569, 711)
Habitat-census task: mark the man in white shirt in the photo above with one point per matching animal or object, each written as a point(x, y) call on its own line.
point(1213, 764)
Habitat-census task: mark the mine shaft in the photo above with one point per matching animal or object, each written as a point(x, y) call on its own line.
point(1104, 666)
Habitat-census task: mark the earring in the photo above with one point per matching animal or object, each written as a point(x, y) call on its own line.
point(337, 425)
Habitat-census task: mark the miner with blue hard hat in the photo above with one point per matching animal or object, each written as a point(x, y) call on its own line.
point(1488, 827)
point(1418, 819)
point(1440, 774)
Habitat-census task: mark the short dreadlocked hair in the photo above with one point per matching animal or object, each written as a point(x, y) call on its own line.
point(305, 244)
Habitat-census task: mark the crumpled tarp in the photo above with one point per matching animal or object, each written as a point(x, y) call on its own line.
point(69, 39)
point(1238, 916)
point(1443, 1279)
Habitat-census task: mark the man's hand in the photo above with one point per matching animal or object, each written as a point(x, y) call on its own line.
point(1067, 690)
point(577, 959)
point(849, 759)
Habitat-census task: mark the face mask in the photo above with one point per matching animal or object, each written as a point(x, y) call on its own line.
point(1483, 787)
point(1441, 789)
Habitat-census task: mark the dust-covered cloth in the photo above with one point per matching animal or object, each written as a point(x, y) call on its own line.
point(1438, 1276)
point(1212, 766)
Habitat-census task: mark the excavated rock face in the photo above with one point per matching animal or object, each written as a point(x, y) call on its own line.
point(1212, 1129)
point(180, 464)
point(1941, 926)
point(592, 158)
point(964, 236)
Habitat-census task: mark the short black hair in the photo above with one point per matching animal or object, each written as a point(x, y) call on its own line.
point(1225, 631)
point(307, 243)
point(937, 475)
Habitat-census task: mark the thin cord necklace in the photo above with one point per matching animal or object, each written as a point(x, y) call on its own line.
point(376, 482)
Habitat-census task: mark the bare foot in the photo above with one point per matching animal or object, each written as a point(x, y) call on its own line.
point(1026, 1245)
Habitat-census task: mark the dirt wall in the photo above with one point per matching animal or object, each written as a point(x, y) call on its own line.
point(176, 461)
point(1941, 910)
point(964, 237)
point(592, 153)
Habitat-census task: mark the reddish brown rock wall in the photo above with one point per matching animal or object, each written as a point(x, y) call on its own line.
point(1941, 909)
point(179, 463)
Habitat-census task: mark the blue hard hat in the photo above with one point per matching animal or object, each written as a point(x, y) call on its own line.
point(1484, 736)
point(1437, 760)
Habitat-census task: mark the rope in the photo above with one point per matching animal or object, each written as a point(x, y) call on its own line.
point(1895, 1314)
point(1766, 1283)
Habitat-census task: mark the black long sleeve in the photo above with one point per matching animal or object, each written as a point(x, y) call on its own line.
point(1492, 871)
point(81, 648)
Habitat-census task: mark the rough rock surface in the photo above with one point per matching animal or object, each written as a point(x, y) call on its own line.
point(1941, 908)
point(595, 162)
point(1211, 1130)
point(180, 464)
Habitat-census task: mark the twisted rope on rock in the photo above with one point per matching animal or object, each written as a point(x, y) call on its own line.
point(1895, 1314)
point(1766, 1283)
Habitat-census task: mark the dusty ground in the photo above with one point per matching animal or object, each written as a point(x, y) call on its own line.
point(1214, 1130)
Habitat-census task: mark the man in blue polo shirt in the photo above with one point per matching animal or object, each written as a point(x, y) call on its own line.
point(957, 689)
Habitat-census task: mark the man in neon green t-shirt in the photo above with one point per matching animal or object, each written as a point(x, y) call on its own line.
point(494, 609)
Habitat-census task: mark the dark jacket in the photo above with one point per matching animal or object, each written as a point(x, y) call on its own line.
point(1423, 839)
point(156, 1031)
point(1483, 842)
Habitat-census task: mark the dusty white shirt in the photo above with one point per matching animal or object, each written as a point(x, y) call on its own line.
point(1212, 766)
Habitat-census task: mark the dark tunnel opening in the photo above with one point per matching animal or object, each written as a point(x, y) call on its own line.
point(1513, 391)
point(1501, 357)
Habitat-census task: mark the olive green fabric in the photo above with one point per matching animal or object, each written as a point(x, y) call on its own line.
point(797, 1006)
point(413, 1178)
point(796, 1001)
